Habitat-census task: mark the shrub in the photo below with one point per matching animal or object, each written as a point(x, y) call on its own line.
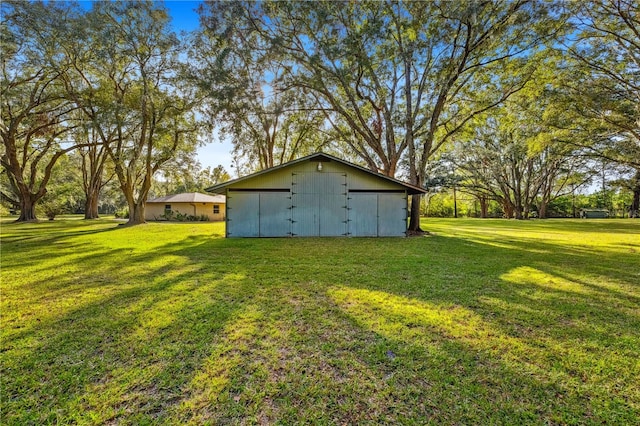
point(122, 213)
point(52, 208)
point(183, 217)
point(168, 215)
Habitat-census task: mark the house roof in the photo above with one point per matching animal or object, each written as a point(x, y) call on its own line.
point(189, 197)
point(411, 189)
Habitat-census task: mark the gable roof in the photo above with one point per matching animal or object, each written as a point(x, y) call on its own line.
point(189, 197)
point(411, 189)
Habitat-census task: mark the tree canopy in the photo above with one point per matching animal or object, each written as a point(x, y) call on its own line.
point(519, 97)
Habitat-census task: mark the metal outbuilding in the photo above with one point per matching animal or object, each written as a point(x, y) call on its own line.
point(594, 214)
point(316, 196)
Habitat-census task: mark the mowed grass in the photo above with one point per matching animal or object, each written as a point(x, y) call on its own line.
point(481, 322)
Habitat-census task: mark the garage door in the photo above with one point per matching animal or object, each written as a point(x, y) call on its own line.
point(243, 217)
point(363, 214)
point(275, 214)
point(377, 214)
point(259, 213)
point(392, 214)
point(319, 204)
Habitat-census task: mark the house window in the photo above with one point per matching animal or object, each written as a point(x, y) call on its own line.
point(216, 209)
point(167, 208)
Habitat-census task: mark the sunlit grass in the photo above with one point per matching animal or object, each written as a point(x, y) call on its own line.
point(481, 322)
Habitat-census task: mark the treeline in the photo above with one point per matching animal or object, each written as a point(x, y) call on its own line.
point(446, 203)
point(518, 103)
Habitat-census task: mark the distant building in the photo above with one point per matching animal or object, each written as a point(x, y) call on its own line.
point(318, 195)
point(188, 203)
point(594, 214)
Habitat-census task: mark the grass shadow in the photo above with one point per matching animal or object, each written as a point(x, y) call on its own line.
point(474, 324)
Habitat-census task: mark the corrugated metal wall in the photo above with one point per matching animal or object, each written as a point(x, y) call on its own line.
point(258, 214)
point(392, 214)
point(377, 214)
point(243, 214)
point(319, 204)
point(303, 201)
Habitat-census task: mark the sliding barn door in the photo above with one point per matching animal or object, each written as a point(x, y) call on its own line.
point(319, 204)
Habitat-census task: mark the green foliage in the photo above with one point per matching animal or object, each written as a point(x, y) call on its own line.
point(439, 205)
point(122, 213)
point(389, 85)
point(184, 174)
point(35, 113)
point(514, 154)
point(442, 204)
point(599, 96)
point(130, 97)
point(617, 202)
point(249, 102)
point(621, 202)
point(52, 209)
point(482, 322)
point(567, 206)
point(183, 217)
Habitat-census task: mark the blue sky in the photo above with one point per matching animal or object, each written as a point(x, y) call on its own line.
point(185, 18)
point(183, 14)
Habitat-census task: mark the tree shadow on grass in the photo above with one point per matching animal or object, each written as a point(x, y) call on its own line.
point(581, 335)
point(499, 348)
point(120, 349)
point(436, 329)
point(389, 343)
point(52, 232)
point(616, 226)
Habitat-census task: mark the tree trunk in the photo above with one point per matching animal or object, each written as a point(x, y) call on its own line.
point(483, 207)
point(455, 203)
point(92, 196)
point(91, 205)
point(92, 170)
point(542, 209)
point(508, 209)
point(414, 221)
point(27, 210)
point(136, 214)
point(518, 209)
point(635, 205)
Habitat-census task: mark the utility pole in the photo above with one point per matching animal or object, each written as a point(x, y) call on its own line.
point(455, 203)
point(573, 200)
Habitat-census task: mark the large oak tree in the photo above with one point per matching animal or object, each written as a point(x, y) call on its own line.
point(143, 112)
point(601, 106)
point(398, 79)
point(35, 114)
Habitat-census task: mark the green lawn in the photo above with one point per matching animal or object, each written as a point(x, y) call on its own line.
point(481, 322)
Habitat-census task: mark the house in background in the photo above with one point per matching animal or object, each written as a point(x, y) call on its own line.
point(188, 203)
point(317, 195)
